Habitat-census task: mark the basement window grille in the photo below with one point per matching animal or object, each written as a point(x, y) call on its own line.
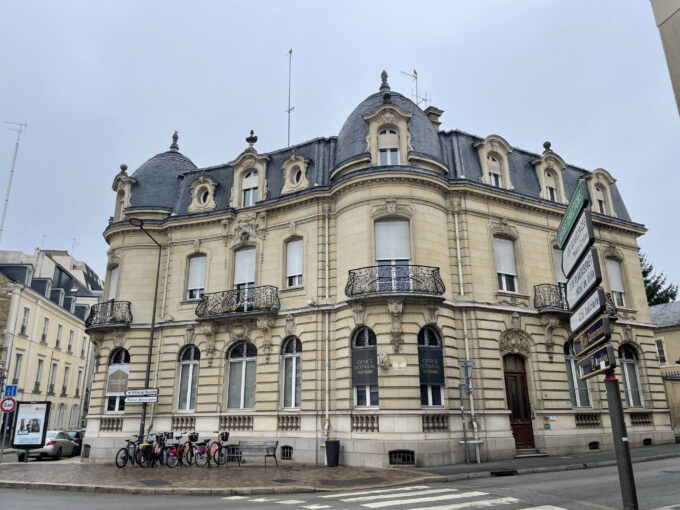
point(402, 458)
point(286, 453)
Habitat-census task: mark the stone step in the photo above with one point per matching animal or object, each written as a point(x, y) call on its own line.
point(528, 452)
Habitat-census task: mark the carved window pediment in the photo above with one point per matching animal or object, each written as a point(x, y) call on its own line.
point(294, 173)
point(202, 194)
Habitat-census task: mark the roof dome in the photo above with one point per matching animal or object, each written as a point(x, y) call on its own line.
point(156, 180)
point(352, 137)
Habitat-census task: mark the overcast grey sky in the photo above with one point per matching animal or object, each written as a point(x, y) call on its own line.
point(104, 83)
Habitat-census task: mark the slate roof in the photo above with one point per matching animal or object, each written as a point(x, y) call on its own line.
point(666, 315)
point(164, 181)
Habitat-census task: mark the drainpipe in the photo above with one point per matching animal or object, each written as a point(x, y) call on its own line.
point(326, 425)
point(160, 332)
point(475, 425)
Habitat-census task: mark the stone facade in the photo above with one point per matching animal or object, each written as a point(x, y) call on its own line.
point(435, 186)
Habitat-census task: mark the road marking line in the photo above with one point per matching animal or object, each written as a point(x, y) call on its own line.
point(236, 497)
point(544, 507)
point(382, 504)
point(260, 500)
point(358, 493)
point(399, 495)
point(291, 502)
point(316, 507)
point(484, 503)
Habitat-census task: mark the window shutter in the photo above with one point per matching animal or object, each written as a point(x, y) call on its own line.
point(388, 139)
point(244, 268)
point(294, 258)
point(196, 272)
point(113, 283)
point(614, 272)
point(505, 255)
point(250, 181)
point(392, 240)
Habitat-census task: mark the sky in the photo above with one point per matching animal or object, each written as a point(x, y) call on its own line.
point(105, 83)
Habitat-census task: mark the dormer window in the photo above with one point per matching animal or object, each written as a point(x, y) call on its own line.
point(203, 196)
point(495, 169)
point(388, 147)
point(550, 187)
point(599, 201)
point(249, 187)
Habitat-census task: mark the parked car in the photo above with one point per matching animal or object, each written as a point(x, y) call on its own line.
point(77, 437)
point(57, 444)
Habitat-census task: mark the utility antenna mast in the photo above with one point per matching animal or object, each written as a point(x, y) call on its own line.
point(418, 99)
point(20, 126)
point(290, 108)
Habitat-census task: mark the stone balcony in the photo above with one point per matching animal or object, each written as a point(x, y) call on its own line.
point(109, 314)
point(232, 303)
point(397, 279)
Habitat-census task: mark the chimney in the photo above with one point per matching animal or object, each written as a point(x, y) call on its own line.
point(433, 114)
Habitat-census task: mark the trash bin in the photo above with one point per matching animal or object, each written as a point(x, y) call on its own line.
point(332, 453)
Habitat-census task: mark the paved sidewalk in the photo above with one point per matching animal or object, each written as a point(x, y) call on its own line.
point(288, 478)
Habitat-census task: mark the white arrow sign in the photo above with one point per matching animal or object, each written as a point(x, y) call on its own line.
point(140, 400)
point(593, 305)
point(586, 276)
point(581, 237)
point(141, 392)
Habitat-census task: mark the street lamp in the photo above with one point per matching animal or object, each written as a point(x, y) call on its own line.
point(137, 222)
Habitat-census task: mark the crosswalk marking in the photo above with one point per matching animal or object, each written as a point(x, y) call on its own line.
point(316, 507)
point(376, 491)
point(236, 497)
point(381, 504)
point(485, 503)
point(398, 495)
point(260, 500)
point(290, 502)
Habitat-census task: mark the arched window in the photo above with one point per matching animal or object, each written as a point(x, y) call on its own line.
point(249, 186)
point(599, 200)
point(550, 187)
point(388, 147)
point(241, 387)
point(365, 368)
point(615, 281)
point(117, 380)
point(196, 277)
point(578, 389)
point(431, 363)
point(631, 375)
point(493, 163)
point(188, 375)
point(291, 351)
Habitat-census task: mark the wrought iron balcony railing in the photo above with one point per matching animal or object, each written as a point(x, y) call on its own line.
point(394, 279)
point(109, 313)
point(253, 299)
point(549, 298)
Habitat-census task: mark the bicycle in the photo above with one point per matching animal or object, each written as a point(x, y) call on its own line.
point(202, 455)
point(188, 450)
point(218, 451)
point(128, 453)
point(173, 452)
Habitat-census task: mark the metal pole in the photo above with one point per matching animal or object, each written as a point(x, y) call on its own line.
point(22, 126)
point(5, 419)
point(147, 377)
point(462, 419)
point(621, 446)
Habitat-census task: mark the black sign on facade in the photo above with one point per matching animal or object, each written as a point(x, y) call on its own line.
point(431, 365)
point(365, 366)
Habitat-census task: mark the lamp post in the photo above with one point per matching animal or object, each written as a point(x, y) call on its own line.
point(137, 222)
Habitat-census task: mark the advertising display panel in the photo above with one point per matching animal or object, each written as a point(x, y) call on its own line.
point(30, 426)
point(117, 380)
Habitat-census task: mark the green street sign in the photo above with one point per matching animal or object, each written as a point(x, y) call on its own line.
point(579, 200)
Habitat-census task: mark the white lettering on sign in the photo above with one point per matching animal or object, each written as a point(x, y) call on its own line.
point(585, 277)
point(577, 243)
point(592, 305)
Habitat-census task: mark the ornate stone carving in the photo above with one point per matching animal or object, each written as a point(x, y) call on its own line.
point(118, 337)
point(392, 207)
point(395, 309)
point(292, 227)
point(514, 300)
point(293, 166)
point(247, 226)
point(290, 325)
point(198, 188)
point(265, 324)
point(549, 324)
point(431, 313)
point(240, 330)
point(502, 227)
point(209, 330)
point(628, 333)
point(515, 340)
point(359, 311)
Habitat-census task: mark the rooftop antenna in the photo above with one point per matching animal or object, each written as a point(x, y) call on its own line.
point(20, 126)
point(290, 108)
point(42, 242)
point(73, 244)
point(418, 99)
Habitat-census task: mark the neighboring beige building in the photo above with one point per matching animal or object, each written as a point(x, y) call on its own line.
point(666, 317)
point(667, 17)
point(330, 289)
point(45, 349)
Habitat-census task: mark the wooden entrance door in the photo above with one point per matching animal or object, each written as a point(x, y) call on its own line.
point(518, 401)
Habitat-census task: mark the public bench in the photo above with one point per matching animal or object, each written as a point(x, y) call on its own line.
point(266, 447)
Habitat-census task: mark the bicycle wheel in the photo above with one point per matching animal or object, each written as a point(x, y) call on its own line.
point(171, 457)
point(202, 456)
point(220, 455)
point(121, 457)
point(189, 454)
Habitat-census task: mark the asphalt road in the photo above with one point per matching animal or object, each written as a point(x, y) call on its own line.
point(658, 486)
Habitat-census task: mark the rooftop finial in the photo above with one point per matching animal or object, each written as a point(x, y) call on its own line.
point(251, 139)
point(174, 145)
point(546, 145)
point(123, 168)
point(385, 88)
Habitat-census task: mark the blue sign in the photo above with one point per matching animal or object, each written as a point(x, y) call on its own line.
point(11, 390)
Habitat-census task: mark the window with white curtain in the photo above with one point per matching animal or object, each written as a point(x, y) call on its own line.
point(504, 250)
point(615, 281)
point(291, 351)
point(393, 255)
point(249, 186)
point(388, 147)
point(188, 376)
point(244, 274)
point(241, 386)
point(196, 278)
point(113, 282)
point(294, 263)
point(578, 389)
point(557, 256)
point(631, 375)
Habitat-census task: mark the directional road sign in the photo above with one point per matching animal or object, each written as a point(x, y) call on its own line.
point(11, 390)
point(595, 333)
point(579, 200)
point(8, 404)
point(597, 361)
point(582, 236)
point(141, 392)
point(593, 305)
point(141, 400)
point(584, 278)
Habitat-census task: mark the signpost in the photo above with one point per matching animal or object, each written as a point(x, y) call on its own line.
point(141, 392)
point(590, 329)
point(11, 390)
point(7, 406)
point(466, 371)
point(141, 400)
